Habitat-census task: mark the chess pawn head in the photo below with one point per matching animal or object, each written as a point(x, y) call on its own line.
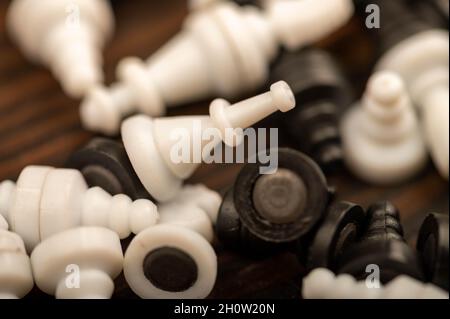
point(16, 278)
point(67, 36)
point(381, 136)
point(79, 263)
point(165, 151)
point(170, 262)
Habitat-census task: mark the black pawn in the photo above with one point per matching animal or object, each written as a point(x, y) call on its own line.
point(275, 209)
point(432, 245)
point(104, 163)
point(341, 228)
point(383, 245)
point(322, 94)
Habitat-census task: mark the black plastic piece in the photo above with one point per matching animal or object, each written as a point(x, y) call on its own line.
point(317, 197)
point(322, 94)
point(432, 245)
point(383, 245)
point(341, 228)
point(170, 269)
point(104, 163)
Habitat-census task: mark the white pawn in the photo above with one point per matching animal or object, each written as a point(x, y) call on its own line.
point(223, 50)
point(16, 278)
point(65, 35)
point(426, 75)
point(154, 145)
point(79, 263)
point(196, 207)
point(405, 287)
point(170, 262)
point(46, 201)
point(381, 135)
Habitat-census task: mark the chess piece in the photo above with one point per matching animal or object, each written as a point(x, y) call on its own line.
point(48, 201)
point(432, 245)
point(195, 207)
point(16, 278)
point(341, 228)
point(223, 50)
point(78, 263)
point(425, 72)
point(323, 284)
point(322, 93)
point(170, 262)
point(381, 137)
point(383, 245)
point(275, 209)
point(3, 223)
point(152, 144)
point(104, 163)
point(67, 36)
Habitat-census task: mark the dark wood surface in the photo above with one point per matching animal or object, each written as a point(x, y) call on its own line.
point(40, 125)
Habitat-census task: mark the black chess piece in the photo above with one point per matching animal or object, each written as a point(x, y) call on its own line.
point(322, 94)
point(432, 245)
point(382, 245)
point(104, 163)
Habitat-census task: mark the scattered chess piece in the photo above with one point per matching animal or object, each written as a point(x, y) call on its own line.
point(223, 50)
point(342, 227)
point(383, 245)
point(195, 207)
point(432, 245)
point(16, 278)
point(79, 263)
point(104, 163)
point(324, 284)
point(170, 262)
point(322, 93)
point(261, 210)
point(152, 143)
point(67, 36)
point(48, 201)
point(425, 72)
point(381, 136)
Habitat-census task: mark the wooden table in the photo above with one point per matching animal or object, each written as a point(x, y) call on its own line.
point(40, 125)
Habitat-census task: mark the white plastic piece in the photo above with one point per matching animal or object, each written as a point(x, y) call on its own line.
point(65, 35)
point(299, 23)
point(196, 207)
point(426, 75)
point(184, 239)
point(3, 223)
point(16, 278)
point(152, 143)
point(321, 283)
point(79, 263)
point(381, 136)
point(223, 50)
point(48, 201)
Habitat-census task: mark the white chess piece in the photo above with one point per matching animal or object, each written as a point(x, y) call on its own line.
point(65, 35)
point(196, 207)
point(16, 278)
point(321, 283)
point(153, 145)
point(381, 136)
point(170, 262)
point(46, 201)
point(223, 50)
point(426, 75)
point(79, 263)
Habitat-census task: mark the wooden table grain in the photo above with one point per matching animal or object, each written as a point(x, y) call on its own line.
point(40, 125)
